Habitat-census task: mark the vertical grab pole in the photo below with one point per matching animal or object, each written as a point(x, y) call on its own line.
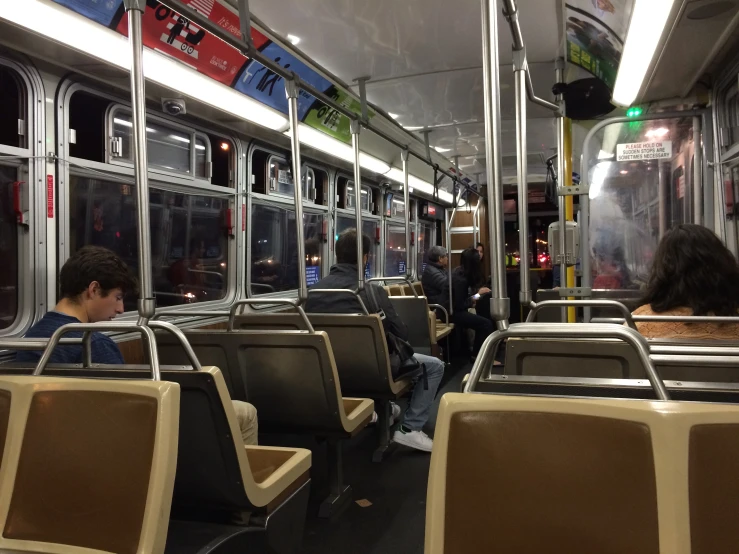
point(147, 302)
point(569, 203)
point(561, 169)
point(291, 90)
point(519, 72)
point(355, 129)
point(697, 172)
point(499, 303)
point(407, 200)
point(449, 251)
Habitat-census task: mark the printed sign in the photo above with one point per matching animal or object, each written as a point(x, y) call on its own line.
point(596, 30)
point(50, 196)
point(101, 11)
point(312, 274)
point(401, 267)
point(681, 186)
point(284, 177)
point(330, 121)
point(168, 32)
point(423, 267)
point(637, 151)
point(269, 88)
point(368, 271)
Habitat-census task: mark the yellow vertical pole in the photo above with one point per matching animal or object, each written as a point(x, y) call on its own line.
point(569, 204)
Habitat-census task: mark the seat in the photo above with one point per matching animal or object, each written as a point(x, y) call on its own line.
point(291, 378)
point(414, 311)
point(582, 475)
point(360, 351)
point(89, 465)
point(418, 287)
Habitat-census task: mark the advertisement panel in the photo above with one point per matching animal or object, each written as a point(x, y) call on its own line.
point(102, 11)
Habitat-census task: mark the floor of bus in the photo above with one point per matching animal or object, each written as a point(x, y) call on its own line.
point(396, 489)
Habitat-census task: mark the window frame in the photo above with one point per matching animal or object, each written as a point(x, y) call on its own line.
point(168, 181)
point(32, 242)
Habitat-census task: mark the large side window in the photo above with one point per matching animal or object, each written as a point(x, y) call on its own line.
point(8, 247)
point(188, 238)
point(274, 248)
point(395, 254)
point(369, 228)
point(425, 242)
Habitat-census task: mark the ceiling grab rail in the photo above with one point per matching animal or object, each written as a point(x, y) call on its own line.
point(147, 302)
point(564, 303)
point(249, 51)
point(567, 331)
point(291, 90)
point(146, 333)
point(500, 306)
point(295, 303)
point(356, 128)
point(522, 170)
point(401, 278)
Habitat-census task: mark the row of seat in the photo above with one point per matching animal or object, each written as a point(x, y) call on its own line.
point(92, 455)
point(564, 475)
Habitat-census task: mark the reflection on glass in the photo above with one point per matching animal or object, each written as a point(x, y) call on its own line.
point(350, 197)
point(8, 249)
point(274, 248)
point(641, 185)
point(200, 158)
point(425, 242)
point(369, 228)
point(167, 148)
point(281, 179)
point(188, 246)
point(395, 254)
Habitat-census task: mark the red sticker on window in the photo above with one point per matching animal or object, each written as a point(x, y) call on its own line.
point(243, 217)
point(50, 196)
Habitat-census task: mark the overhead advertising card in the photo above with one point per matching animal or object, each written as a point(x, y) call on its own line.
point(102, 11)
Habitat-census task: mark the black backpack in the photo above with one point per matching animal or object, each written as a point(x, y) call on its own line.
point(403, 364)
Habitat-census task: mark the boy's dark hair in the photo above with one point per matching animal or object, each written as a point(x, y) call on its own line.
point(94, 263)
point(346, 247)
point(693, 269)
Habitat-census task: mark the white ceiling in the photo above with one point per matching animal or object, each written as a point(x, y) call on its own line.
point(424, 60)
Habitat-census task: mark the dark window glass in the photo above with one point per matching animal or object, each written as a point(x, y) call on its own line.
point(12, 109)
point(395, 255)
point(369, 228)
point(425, 237)
point(189, 248)
point(8, 249)
point(274, 249)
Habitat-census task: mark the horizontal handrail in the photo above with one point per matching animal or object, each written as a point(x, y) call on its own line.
point(294, 303)
point(565, 330)
point(687, 318)
point(693, 359)
point(536, 308)
point(196, 313)
point(443, 309)
point(179, 335)
point(120, 326)
point(35, 343)
point(354, 293)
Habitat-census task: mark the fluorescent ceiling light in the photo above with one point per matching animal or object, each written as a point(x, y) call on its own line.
point(328, 144)
point(603, 155)
point(180, 139)
point(63, 25)
point(393, 115)
point(441, 150)
point(414, 183)
point(293, 39)
point(657, 133)
point(648, 22)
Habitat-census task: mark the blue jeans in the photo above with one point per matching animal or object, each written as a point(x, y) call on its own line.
point(420, 405)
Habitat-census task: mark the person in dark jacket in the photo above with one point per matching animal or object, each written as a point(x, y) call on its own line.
point(466, 291)
point(344, 276)
point(435, 279)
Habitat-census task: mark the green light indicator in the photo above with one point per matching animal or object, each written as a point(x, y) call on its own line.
point(634, 111)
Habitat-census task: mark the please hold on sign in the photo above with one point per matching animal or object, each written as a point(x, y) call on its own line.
point(636, 151)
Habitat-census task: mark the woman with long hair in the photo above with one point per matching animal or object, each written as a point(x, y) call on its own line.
point(467, 281)
point(693, 273)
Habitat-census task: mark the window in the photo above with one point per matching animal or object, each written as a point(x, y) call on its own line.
point(168, 147)
point(367, 204)
point(8, 248)
point(278, 177)
point(369, 228)
point(274, 249)
point(395, 254)
point(189, 246)
point(425, 242)
point(13, 118)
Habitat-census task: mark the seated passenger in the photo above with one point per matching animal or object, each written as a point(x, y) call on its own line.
point(92, 284)
point(344, 276)
point(693, 273)
point(466, 291)
point(435, 280)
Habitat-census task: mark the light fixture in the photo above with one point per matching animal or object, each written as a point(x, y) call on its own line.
point(624, 172)
point(225, 146)
point(393, 115)
point(648, 22)
point(71, 29)
point(657, 133)
point(441, 150)
point(634, 111)
point(293, 39)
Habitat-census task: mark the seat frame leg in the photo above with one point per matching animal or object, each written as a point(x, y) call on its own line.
point(385, 445)
point(340, 495)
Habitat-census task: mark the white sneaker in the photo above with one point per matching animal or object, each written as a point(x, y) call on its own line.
point(394, 414)
point(414, 439)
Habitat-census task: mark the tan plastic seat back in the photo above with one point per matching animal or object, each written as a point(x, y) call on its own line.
point(358, 344)
point(89, 464)
point(579, 475)
point(289, 376)
point(418, 287)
